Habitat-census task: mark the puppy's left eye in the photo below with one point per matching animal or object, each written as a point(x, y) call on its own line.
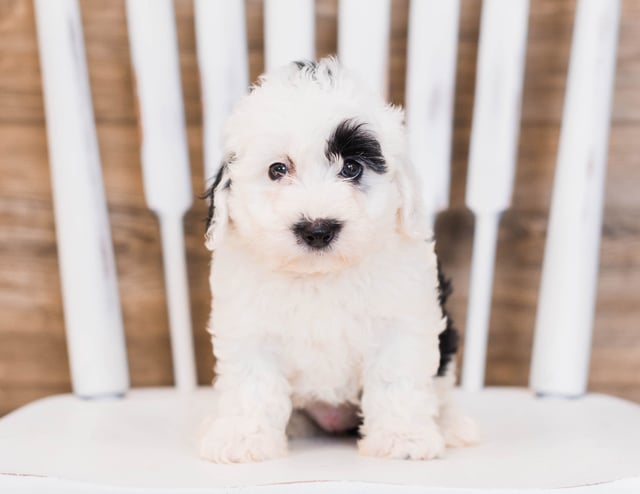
point(277, 171)
point(351, 170)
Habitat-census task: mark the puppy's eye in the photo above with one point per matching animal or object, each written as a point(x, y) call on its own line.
point(277, 171)
point(351, 170)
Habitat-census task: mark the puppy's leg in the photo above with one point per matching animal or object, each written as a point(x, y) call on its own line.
point(457, 428)
point(399, 402)
point(253, 408)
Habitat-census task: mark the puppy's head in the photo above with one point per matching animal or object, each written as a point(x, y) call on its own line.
point(315, 174)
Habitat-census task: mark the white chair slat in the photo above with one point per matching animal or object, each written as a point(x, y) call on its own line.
point(566, 303)
point(93, 318)
point(496, 109)
point(224, 72)
point(165, 160)
point(289, 31)
point(492, 160)
point(430, 88)
point(164, 152)
point(363, 40)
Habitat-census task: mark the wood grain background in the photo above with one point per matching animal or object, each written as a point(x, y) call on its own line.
point(32, 344)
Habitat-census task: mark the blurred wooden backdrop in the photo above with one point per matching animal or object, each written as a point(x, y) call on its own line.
point(32, 345)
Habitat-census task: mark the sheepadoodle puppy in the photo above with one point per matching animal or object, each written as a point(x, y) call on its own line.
point(327, 297)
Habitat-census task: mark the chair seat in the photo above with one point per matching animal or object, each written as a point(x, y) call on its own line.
point(148, 440)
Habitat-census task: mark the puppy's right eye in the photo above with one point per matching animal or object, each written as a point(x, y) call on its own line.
point(277, 171)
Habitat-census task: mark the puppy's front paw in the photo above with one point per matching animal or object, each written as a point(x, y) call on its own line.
point(240, 440)
point(424, 443)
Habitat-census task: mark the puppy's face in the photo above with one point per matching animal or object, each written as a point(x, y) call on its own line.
point(313, 175)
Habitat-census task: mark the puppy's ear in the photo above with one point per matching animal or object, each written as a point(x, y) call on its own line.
point(412, 219)
point(217, 195)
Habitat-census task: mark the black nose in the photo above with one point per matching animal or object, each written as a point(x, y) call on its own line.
point(317, 234)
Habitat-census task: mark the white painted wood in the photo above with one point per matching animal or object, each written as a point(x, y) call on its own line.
point(93, 320)
point(492, 159)
point(165, 159)
point(431, 68)
point(479, 308)
point(496, 109)
point(34, 485)
point(177, 286)
point(289, 32)
point(363, 40)
point(224, 71)
point(566, 305)
point(149, 442)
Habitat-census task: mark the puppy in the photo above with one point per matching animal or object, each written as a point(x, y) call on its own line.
point(327, 295)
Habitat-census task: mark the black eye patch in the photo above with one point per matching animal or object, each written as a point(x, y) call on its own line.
point(352, 140)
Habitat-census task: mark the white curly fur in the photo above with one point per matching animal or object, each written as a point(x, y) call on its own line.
point(352, 327)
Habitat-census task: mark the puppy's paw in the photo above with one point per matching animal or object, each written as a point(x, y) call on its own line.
point(458, 429)
point(240, 440)
point(424, 443)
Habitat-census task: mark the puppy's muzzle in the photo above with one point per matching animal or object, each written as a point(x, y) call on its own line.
point(317, 234)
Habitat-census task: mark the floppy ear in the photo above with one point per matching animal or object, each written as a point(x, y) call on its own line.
point(218, 195)
point(412, 219)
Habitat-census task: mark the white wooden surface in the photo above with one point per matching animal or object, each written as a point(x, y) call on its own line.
point(224, 69)
point(492, 161)
point(93, 319)
point(289, 32)
point(49, 486)
point(564, 323)
point(165, 160)
point(431, 68)
point(149, 441)
point(363, 40)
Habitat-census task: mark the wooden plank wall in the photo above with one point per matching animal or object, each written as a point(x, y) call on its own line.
point(32, 346)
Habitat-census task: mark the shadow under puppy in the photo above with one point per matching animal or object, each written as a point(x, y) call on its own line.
point(326, 290)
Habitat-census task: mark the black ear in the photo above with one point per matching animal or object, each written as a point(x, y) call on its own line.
point(216, 194)
point(211, 191)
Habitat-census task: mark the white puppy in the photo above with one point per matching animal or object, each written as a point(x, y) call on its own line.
point(325, 284)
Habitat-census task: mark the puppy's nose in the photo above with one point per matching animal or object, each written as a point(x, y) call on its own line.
point(319, 233)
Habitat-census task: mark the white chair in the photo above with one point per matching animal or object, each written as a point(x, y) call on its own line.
point(105, 438)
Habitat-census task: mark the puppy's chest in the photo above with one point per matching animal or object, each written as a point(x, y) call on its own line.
point(327, 368)
point(323, 344)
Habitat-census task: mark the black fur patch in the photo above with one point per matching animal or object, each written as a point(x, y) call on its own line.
point(352, 140)
point(308, 65)
point(320, 73)
point(449, 338)
point(210, 192)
